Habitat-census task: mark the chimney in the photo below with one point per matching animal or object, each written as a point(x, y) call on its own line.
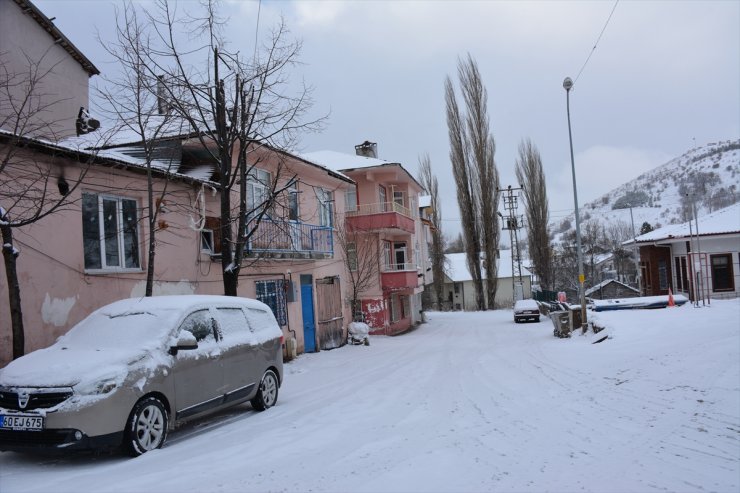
point(162, 106)
point(367, 149)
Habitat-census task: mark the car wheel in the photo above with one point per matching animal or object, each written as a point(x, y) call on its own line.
point(268, 392)
point(146, 428)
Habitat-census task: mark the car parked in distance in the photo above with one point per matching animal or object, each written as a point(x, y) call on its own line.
point(526, 310)
point(132, 370)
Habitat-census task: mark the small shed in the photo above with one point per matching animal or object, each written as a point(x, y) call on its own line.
point(610, 289)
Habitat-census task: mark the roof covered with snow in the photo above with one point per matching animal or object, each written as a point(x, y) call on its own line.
point(340, 161)
point(608, 281)
point(425, 201)
point(343, 162)
point(721, 222)
point(456, 266)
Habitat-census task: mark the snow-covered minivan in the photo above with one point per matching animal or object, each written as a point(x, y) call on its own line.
point(132, 370)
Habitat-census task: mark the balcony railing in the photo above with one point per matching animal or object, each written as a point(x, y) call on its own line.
point(380, 208)
point(384, 216)
point(399, 267)
point(292, 237)
point(399, 276)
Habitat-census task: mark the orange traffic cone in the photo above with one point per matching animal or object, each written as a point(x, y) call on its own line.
point(670, 298)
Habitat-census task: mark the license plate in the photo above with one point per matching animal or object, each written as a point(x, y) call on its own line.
point(22, 423)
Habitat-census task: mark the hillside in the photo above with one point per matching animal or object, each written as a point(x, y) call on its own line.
point(709, 173)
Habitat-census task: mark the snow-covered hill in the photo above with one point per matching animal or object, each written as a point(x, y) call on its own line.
point(710, 174)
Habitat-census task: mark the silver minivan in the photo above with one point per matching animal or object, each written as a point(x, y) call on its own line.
point(132, 370)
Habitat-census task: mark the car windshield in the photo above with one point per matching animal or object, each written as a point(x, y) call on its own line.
point(136, 328)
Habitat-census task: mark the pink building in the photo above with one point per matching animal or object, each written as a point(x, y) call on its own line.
point(386, 212)
point(93, 251)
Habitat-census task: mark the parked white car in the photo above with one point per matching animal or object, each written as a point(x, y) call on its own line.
point(132, 370)
point(526, 310)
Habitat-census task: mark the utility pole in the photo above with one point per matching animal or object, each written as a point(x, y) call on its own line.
point(513, 223)
point(635, 253)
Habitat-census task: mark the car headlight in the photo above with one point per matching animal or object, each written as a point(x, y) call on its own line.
point(96, 388)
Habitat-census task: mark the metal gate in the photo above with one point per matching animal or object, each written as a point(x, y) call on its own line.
point(329, 308)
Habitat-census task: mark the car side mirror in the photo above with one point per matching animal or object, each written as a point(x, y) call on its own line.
point(185, 342)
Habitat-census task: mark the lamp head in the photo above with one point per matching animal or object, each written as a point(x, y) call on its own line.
point(567, 83)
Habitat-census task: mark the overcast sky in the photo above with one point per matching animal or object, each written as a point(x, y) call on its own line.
point(664, 75)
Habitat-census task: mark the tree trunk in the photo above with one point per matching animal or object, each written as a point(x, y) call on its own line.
point(14, 291)
point(151, 221)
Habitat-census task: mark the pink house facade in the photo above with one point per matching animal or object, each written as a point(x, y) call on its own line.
point(93, 251)
point(386, 210)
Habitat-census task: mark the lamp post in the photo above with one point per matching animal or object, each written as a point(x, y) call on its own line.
point(568, 85)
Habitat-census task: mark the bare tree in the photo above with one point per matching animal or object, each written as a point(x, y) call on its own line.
point(362, 256)
point(615, 234)
point(34, 182)
point(472, 151)
point(531, 176)
point(134, 102)
point(236, 106)
point(464, 174)
point(436, 250)
point(481, 148)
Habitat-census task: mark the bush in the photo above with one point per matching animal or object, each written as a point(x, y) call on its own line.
point(634, 198)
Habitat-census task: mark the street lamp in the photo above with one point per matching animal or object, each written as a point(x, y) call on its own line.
point(568, 85)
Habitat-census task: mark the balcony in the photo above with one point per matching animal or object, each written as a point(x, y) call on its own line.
point(394, 277)
point(388, 217)
point(289, 239)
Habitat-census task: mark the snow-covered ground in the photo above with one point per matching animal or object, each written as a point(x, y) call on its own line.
point(467, 402)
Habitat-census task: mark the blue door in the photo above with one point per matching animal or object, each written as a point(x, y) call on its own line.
point(309, 327)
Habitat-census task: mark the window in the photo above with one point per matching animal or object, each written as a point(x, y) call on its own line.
point(398, 197)
point(395, 308)
point(387, 257)
point(352, 256)
point(272, 294)
point(293, 203)
point(682, 276)
point(110, 232)
point(233, 323)
point(200, 324)
point(210, 236)
point(399, 249)
point(662, 275)
point(326, 201)
point(350, 198)
point(400, 307)
point(722, 275)
point(382, 198)
point(259, 184)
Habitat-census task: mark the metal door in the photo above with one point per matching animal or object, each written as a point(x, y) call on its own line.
point(309, 326)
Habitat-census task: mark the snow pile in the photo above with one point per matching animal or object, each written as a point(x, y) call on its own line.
point(470, 401)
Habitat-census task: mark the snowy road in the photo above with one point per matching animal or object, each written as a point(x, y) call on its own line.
point(467, 402)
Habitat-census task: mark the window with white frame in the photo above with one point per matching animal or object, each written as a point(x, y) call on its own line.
point(259, 184)
point(395, 308)
point(110, 232)
point(350, 198)
point(382, 197)
point(326, 206)
point(398, 197)
point(206, 241)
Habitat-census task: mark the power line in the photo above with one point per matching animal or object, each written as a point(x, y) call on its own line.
point(597, 42)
